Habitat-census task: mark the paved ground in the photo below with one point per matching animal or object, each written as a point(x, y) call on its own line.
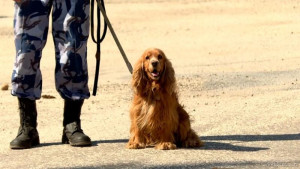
point(237, 63)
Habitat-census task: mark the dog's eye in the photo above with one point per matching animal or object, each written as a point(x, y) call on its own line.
point(159, 56)
point(147, 57)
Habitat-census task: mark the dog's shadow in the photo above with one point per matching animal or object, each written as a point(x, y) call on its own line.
point(209, 145)
point(210, 142)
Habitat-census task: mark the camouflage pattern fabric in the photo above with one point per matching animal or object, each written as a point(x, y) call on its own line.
point(70, 30)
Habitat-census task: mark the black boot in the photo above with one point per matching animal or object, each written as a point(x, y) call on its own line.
point(28, 135)
point(72, 132)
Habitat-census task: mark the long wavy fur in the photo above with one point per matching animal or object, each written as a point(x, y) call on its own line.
point(156, 116)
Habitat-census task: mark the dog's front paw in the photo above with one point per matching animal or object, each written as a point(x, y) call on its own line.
point(135, 146)
point(165, 146)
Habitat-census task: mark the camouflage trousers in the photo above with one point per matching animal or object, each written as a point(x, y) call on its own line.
point(70, 31)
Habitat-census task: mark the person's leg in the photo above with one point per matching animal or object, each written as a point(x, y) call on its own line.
point(31, 29)
point(70, 33)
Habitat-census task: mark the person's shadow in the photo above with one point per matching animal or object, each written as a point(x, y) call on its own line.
point(94, 143)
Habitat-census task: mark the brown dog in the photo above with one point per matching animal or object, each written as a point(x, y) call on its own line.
point(157, 118)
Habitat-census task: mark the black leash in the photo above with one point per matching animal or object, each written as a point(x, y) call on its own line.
point(98, 40)
point(101, 9)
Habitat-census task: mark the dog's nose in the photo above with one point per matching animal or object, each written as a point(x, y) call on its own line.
point(154, 63)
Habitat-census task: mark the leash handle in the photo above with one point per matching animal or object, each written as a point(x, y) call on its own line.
point(97, 40)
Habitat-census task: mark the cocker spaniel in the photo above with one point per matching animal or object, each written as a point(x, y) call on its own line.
point(157, 118)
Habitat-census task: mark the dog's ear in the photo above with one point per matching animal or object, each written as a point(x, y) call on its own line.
point(168, 78)
point(138, 77)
